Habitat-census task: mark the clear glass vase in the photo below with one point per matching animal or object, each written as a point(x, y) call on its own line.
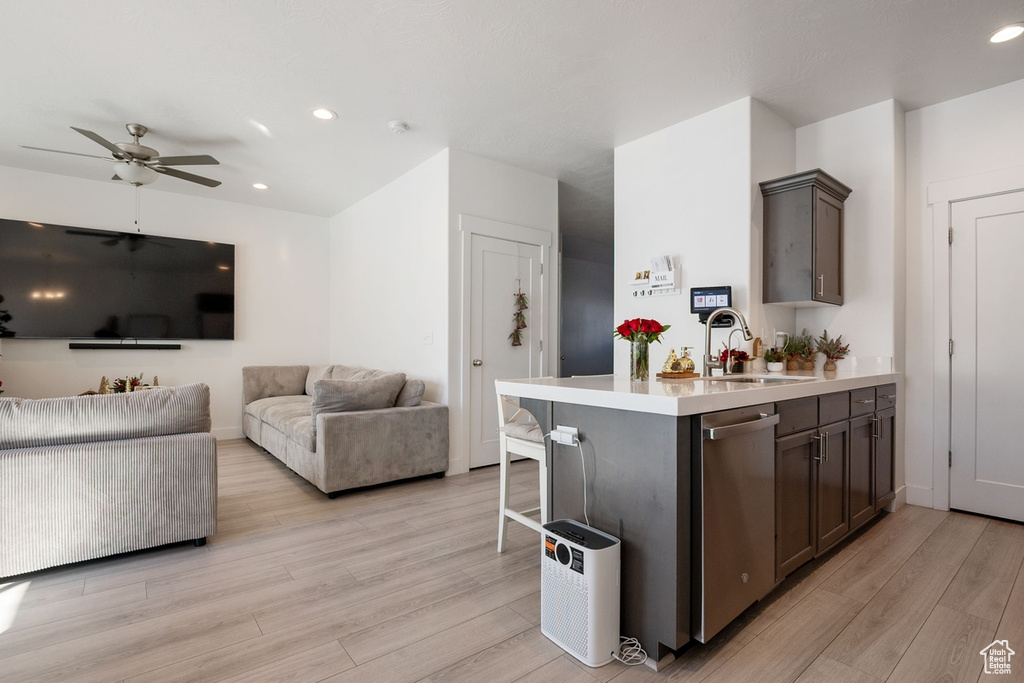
point(639, 360)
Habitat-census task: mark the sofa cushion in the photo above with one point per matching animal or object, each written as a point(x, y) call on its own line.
point(259, 408)
point(261, 381)
point(411, 394)
point(342, 395)
point(299, 428)
point(160, 411)
point(317, 372)
point(349, 372)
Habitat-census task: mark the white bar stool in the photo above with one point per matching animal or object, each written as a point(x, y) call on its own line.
point(519, 434)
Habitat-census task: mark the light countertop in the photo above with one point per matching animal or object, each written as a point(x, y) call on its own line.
point(687, 396)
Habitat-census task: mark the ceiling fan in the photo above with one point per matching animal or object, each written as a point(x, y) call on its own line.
point(111, 239)
point(141, 165)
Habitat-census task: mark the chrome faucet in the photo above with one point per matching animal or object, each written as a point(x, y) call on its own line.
point(712, 363)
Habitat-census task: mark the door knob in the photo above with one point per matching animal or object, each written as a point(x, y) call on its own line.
point(477, 362)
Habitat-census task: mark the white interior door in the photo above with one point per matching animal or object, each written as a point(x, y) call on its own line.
point(498, 268)
point(986, 372)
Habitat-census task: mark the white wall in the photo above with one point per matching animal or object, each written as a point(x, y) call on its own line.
point(861, 149)
point(684, 192)
point(488, 189)
point(389, 279)
point(396, 270)
point(772, 155)
point(965, 137)
point(281, 262)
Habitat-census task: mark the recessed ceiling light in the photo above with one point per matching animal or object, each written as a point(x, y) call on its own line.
point(36, 225)
point(1006, 33)
point(324, 113)
point(260, 186)
point(223, 267)
point(398, 127)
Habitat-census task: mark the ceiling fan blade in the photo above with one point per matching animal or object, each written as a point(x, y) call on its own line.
point(60, 151)
point(192, 160)
point(94, 233)
point(117, 151)
point(191, 177)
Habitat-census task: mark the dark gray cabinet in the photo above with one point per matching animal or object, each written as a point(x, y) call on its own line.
point(834, 469)
point(803, 239)
point(812, 470)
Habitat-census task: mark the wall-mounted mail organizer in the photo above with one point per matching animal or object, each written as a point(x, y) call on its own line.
point(656, 283)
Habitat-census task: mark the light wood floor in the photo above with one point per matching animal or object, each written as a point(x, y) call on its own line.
point(402, 583)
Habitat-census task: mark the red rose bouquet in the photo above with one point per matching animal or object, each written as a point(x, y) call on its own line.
point(640, 332)
point(641, 329)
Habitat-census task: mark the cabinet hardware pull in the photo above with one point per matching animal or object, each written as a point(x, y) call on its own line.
point(821, 448)
point(864, 400)
point(824, 442)
point(821, 285)
point(888, 396)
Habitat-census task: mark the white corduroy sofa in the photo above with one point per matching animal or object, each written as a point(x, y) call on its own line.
point(341, 427)
point(90, 476)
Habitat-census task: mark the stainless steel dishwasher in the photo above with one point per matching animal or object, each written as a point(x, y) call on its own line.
point(733, 515)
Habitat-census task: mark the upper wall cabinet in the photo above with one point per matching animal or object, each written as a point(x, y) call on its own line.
point(803, 239)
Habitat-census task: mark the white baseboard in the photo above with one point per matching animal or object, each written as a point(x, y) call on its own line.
point(919, 495)
point(226, 433)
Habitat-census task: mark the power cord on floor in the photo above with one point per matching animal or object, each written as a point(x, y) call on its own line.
point(630, 653)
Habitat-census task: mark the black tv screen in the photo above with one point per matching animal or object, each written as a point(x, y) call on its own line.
point(61, 281)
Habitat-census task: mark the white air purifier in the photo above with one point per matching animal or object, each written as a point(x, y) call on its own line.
point(579, 591)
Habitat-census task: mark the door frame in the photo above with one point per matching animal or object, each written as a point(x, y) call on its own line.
point(941, 197)
point(470, 225)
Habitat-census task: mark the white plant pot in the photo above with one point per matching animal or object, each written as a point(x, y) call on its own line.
point(776, 367)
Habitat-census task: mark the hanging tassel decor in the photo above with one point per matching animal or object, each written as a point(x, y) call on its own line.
point(518, 317)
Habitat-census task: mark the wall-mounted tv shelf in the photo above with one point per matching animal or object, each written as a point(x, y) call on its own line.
point(131, 346)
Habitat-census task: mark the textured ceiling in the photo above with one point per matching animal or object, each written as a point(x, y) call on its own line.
point(548, 86)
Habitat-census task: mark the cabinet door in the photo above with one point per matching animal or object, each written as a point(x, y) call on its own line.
point(828, 249)
point(833, 508)
point(795, 479)
point(862, 501)
point(885, 476)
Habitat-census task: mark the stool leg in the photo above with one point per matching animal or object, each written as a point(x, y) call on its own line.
point(503, 493)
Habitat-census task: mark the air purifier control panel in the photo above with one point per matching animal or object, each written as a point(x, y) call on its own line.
point(573, 557)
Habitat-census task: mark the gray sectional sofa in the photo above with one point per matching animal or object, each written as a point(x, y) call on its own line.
point(90, 476)
point(341, 427)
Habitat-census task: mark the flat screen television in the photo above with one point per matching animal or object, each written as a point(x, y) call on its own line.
point(66, 282)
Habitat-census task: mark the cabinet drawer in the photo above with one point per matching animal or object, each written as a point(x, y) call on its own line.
point(862, 401)
point(885, 396)
point(796, 415)
point(833, 407)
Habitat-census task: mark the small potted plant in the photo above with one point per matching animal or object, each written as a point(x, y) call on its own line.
point(832, 349)
point(774, 360)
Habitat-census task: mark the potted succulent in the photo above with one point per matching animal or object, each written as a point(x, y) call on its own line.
point(832, 349)
point(774, 360)
point(800, 351)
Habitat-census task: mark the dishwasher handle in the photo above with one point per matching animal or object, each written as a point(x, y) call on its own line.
point(726, 431)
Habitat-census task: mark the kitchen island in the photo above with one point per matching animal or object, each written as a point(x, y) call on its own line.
point(640, 443)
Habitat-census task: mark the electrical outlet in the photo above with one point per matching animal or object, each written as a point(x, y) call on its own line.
point(568, 436)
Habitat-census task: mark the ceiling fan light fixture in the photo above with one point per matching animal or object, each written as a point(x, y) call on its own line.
point(324, 114)
point(136, 173)
point(1008, 32)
